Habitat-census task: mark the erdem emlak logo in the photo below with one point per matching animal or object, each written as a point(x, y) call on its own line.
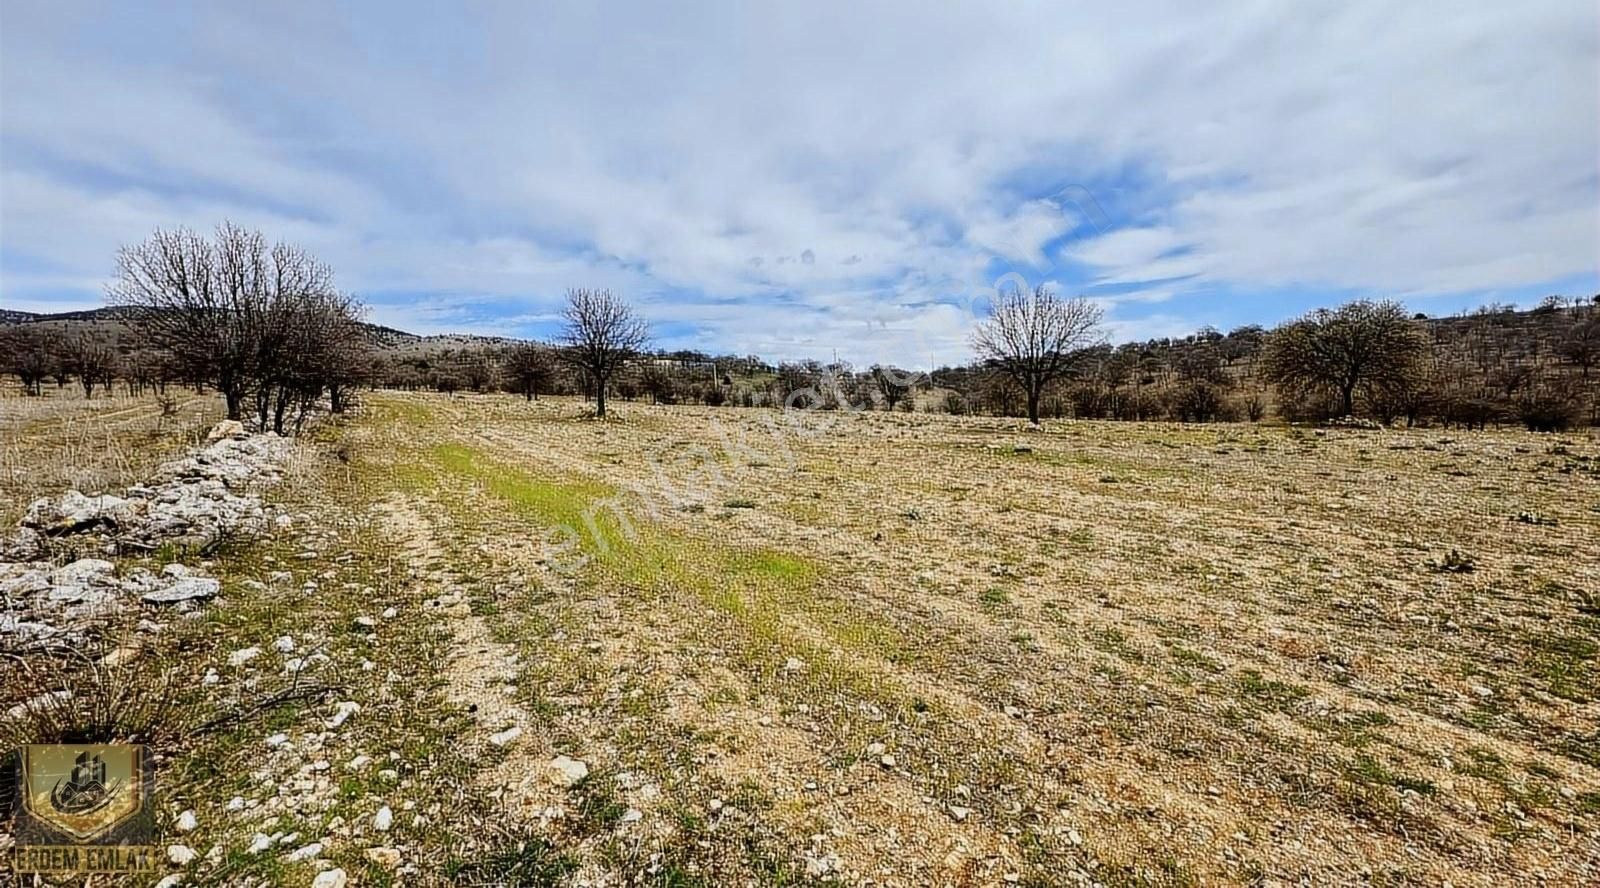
point(83, 808)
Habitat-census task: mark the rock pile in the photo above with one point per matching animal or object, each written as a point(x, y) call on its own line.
point(193, 502)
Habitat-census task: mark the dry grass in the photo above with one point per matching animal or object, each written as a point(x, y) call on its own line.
point(1141, 653)
point(62, 440)
point(1121, 654)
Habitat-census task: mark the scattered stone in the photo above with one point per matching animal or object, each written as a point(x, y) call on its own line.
point(387, 858)
point(818, 865)
point(187, 822)
point(793, 664)
point(228, 428)
point(186, 589)
point(383, 819)
point(277, 740)
point(305, 852)
point(171, 881)
point(631, 815)
point(38, 705)
point(243, 655)
point(567, 772)
point(181, 855)
point(342, 713)
point(506, 736)
point(959, 813)
point(887, 761)
point(334, 878)
point(284, 644)
point(259, 843)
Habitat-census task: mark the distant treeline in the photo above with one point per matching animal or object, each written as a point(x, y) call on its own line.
point(263, 325)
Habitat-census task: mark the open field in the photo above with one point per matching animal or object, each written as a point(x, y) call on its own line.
point(900, 649)
point(62, 440)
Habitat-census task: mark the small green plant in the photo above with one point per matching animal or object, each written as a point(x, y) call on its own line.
point(740, 504)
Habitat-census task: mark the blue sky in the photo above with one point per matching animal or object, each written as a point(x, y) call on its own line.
point(796, 180)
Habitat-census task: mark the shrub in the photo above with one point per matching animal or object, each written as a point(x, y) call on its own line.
point(1548, 409)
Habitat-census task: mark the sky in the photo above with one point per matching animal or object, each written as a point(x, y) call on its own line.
point(808, 179)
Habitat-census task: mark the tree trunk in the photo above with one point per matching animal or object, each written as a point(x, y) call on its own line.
point(1033, 404)
point(600, 397)
point(1347, 399)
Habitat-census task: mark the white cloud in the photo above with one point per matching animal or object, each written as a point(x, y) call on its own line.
point(507, 152)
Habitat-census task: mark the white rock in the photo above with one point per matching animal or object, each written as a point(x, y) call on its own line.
point(284, 644)
point(506, 736)
point(228, 428)
point(171, 881)
point(187, 822)
point(388, 858)
point(566, 771)
point(821, 865)
point(41, 704)
point(384, 819)
point(235, 804)
point(259, 843)
point(186, 589)
point(334, 878)
point(342, 713)
point(305, 852)
point(243, 656)
point(181, 855)
point(631, 815)
point(793, 664)
point(277, 740)
point(85, 572)
point(959, 813)
point(887, 761)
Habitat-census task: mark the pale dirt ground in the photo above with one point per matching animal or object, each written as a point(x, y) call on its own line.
point(1126, 653)
point(60, 440)
point(889, 649)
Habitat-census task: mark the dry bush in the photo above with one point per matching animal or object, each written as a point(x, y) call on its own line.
point(63, 694)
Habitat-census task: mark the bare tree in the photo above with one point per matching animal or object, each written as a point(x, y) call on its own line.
point(1035, 337)
point(528, 364)
point(602, 334)
point(29, 352)
point(94, 361)
point(1581, 345)
point(261, 323)
point(893, 384)
point(1361, 346)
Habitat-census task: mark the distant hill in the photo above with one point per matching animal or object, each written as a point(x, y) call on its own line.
point(112, 319)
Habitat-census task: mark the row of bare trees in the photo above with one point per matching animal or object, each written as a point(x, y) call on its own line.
point(36, 354)
point(1363, 359)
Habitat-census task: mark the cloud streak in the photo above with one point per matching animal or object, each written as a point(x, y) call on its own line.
point(782, 179)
